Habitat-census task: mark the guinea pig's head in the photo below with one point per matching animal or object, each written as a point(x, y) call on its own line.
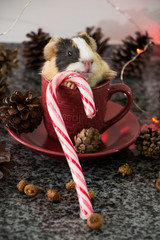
point(75, 54)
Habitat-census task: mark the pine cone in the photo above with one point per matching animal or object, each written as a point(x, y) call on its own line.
point(3, 90)
point(87, 141)
point(8, 60)
point(33, 49)
point(148, 143)
point(5, 163)
point(98, 36)
point(122, 54)
point(21, 113)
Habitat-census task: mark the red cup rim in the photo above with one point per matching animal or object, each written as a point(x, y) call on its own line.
point(93, 88)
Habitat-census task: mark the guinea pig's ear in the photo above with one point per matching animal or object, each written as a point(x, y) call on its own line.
point(89, 40)
point(50, 49)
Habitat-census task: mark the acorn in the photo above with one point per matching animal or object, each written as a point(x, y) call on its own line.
point(95, 221)
point(30, 190)
point(158, 184)
point(91, 194)
point(53, 195)
point(21, 185)
point(70, 186)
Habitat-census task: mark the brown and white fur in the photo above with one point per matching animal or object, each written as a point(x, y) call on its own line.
point(79, 55)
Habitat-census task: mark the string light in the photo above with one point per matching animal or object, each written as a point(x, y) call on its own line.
point(16, 20)
point(155, 120)
point(124, 13)
point(139, 51)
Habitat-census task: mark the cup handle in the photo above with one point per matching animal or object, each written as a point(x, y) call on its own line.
point(119, 87)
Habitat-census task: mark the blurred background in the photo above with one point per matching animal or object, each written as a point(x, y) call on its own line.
point(67, 17)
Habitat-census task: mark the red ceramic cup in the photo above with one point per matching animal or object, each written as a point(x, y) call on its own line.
point(72, 110)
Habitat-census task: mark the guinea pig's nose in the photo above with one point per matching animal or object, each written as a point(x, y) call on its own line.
point(87, 64)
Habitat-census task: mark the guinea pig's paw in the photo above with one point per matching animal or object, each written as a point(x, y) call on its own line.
point(70, 85)
point(111, 74)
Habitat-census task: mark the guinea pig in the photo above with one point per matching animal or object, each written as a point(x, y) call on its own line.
point(79, 55)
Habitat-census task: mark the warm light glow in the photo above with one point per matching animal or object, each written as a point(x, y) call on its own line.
point(132, 146)
point(125, 129)
point(138, 50)
point(104, 138)
point(155, 120)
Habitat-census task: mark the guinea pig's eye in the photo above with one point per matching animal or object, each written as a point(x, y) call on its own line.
point(69, 53)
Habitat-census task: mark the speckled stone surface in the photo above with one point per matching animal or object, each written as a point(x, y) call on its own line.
point(130, 205)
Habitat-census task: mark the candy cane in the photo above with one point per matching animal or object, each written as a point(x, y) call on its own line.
point(66, 143)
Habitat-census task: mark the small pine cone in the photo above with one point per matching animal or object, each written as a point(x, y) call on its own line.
point(21, 113)
point(98, 36)
point(8, 60)
point(148, 143)
point(87, 141)
point(33, 49)
point(125, 52)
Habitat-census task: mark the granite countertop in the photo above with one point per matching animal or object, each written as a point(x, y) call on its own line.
point(130, 205)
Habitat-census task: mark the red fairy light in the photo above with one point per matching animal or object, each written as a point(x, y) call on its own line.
point(132, 146)
point(155, 120)
point(138, 50)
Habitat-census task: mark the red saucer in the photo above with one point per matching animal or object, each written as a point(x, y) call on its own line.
point(117, 137)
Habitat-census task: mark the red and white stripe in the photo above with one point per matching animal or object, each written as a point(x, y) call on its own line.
point(60, 129)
